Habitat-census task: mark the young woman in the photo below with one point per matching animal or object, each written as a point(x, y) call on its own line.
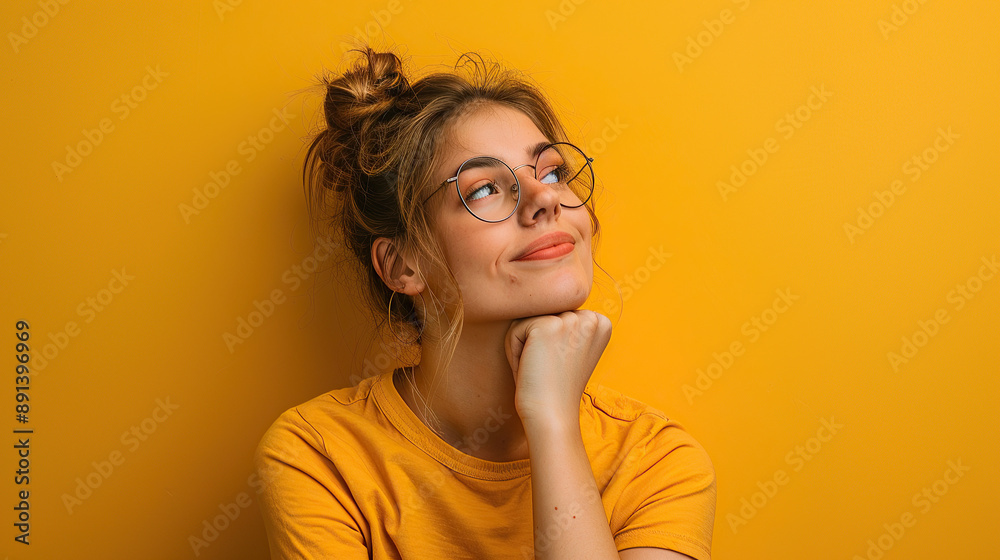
point(468, 214)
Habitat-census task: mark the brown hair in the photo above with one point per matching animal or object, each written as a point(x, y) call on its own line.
point(367, 171)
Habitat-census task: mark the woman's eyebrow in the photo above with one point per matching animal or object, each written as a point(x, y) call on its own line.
point(532, 150)
point(536, 149)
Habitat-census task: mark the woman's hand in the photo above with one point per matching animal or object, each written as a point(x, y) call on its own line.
point(553, 357)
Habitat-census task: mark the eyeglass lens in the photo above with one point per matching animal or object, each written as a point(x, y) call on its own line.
point(489, 187)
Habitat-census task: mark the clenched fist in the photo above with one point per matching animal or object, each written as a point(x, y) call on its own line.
point(553, 357)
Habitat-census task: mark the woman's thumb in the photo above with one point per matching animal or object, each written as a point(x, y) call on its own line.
point(514, 344)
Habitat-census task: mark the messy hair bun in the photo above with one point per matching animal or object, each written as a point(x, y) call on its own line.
point(363, 110)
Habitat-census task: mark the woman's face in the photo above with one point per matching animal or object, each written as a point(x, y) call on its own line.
point(483, 256)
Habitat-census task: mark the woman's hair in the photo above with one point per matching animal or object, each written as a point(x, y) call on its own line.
point(368, 170)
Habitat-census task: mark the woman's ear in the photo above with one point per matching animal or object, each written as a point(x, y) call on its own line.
point(398, 269)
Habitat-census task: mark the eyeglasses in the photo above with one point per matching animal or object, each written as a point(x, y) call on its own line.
point(490, 191)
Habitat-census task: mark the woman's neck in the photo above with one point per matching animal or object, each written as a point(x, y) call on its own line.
point(474, 398)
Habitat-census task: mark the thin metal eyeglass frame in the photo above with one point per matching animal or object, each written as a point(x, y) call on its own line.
point(517, 182)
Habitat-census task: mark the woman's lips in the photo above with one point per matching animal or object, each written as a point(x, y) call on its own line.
point(549, 252)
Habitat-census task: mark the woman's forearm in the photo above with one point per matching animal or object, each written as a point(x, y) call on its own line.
point(569, 518)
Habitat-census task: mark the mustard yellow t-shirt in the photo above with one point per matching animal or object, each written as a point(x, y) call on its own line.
point(354, 474)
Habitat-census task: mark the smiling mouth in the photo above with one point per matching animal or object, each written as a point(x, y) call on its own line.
point(555, 251)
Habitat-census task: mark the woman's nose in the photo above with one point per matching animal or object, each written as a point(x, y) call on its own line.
point(535, 191)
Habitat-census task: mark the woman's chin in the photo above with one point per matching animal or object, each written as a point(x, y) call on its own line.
point(561, 302)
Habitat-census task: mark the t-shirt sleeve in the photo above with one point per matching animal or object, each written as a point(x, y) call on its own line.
point(307, 507)
point(672, 495)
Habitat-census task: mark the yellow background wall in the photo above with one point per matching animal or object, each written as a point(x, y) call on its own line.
point(875, 214)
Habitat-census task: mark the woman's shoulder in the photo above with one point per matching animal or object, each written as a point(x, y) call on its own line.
point(616, 404)
point(315, 420)
point(636, 421)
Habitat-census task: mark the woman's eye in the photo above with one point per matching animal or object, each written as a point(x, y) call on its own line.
point(553, 176)
point(481, 192)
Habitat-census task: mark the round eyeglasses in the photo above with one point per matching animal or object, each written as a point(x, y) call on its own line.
point(490, 191)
